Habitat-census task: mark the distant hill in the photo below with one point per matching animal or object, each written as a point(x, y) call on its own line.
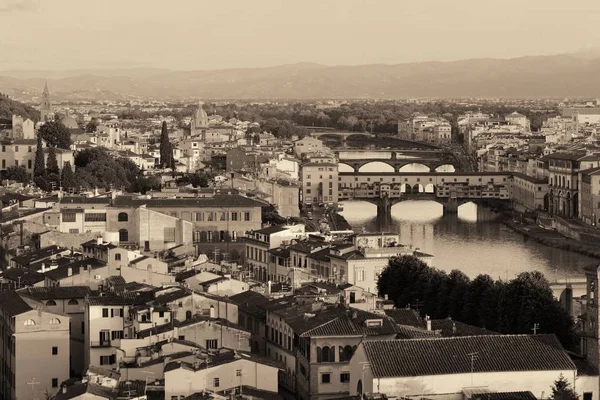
point(8, 107)
point(558, 76)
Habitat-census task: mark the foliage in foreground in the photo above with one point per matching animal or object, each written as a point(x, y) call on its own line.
point(509, 307)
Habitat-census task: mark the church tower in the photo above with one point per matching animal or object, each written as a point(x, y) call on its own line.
point(199, 119)
point(45, 105)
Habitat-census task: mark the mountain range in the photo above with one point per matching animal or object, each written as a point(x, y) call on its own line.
point(554, 76)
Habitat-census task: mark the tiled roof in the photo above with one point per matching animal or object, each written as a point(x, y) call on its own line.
point(36, 255)
point(271, 229)
point(81, 389)
point(24, 276)
point(13, 304)
point(76, 267)
point(57, 292)
point(437, 356)
point(109, 373)
point(454, 328)
point(412, 332)
point(121, 299)
point(405, 316)
point(183, 275)
point(504, 396)
point(85, 200)
point(116, 281)
point(250, 302)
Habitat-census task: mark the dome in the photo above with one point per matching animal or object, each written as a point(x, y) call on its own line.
point(69, 122)
point(200, 113)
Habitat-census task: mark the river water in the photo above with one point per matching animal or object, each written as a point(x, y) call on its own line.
point(474, 241)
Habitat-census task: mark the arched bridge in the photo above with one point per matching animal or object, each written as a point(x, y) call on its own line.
point(343, 135)
point(394, 160)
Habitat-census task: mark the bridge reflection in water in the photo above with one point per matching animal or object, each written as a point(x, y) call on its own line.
point(473, 240)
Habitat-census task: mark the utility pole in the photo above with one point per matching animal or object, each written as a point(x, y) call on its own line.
point(473, 357)
point(535, 328)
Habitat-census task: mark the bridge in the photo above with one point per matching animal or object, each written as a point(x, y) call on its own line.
point(343, 135)
point(394, 160)
point(566, 290)
point(447, 188)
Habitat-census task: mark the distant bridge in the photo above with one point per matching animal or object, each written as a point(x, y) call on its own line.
point(343, 135)
point(565, 290)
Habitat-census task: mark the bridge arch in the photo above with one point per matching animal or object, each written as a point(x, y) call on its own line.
point(445, 168)
point(430, 188)
point(414, 167)
point(406, 188)
point(376, 166)
point(418, 188)
point(343, 167)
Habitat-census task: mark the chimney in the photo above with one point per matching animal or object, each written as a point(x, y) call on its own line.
point(69, 271)
point(428, 322)
point(43, 268)
point(64, 389)
point(99, 240)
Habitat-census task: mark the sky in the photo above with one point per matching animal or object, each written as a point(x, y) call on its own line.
point(199, 34)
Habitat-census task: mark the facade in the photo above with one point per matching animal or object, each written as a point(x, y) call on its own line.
point(319, 183)
point(240, 158)
point(529, 192)
point(18, 152)
point(563, 171)
point(518, 119)
point(34, 347)
point(22, 129)
point(307, 145)
point(259, 242)
point(425, 129)
point(70, 301)
point(589, 205)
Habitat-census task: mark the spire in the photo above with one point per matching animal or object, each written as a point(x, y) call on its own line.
point(46, 92)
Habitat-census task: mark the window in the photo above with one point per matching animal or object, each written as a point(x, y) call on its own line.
point(345, 377)
point(95, 217)
point(325, 378)
point(361, 275)
point(587, 396)
point(211, 344)
point(234, 216)
point(55, 321)
point(238, 372)
point(82, 327)
point(108, 360)
point(54, 350)
point(76, 230)
point(29, 322)
point(118, 257)
point(123, 235)
point(54, 382)
point(209, 216)
point(223, 216)
point(116, 335)
point(123, 217)
point(73, 302)
point(216, 382)
point(69, 217)
point(50, 303)
point(105, 313)
point(169, 235)
point(28, 164)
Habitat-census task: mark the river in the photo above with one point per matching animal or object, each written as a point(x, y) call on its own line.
point(474, 241)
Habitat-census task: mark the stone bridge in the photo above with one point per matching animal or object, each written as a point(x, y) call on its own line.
point(394, 160)
point(343, 135)
point(566, 290)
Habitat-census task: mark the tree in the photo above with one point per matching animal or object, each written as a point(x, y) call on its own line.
point(67, 177)
point(562, 390)
point(18, 174)
point(166, 150)
point(39, 166)
point(52, 162)
point(91, 126)
point(56, 134)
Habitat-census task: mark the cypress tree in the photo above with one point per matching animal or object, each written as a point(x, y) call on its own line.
point(166, 152)
point(67, 177)
point(52, 162)
point(39, 167)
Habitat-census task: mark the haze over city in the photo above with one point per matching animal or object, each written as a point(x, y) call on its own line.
point(192, 34)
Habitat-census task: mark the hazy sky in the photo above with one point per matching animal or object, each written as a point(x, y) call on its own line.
point(199, 34)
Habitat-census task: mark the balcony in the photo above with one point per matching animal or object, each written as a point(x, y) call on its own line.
point(100, 343)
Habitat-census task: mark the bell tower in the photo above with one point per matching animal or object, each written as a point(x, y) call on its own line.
point(45, 105)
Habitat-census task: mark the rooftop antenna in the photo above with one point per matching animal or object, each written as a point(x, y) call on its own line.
point(535, 328)
point(474, 356)
point(33, 383)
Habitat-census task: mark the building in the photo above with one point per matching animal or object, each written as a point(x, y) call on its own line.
point(259, 242)
point(449, 366)
point(529, 192)
point(63, 157)
point(223, 373)
point(563, 168)
point(69, 300)
point(307, 145)
point(423, 128)
point(199, 122)
point(18, 152)
point(319, 183)
point(518, 119)
point(589, 189)
point(34, 347)
point(243, 159)
point(46, 113)
point(22, 129)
